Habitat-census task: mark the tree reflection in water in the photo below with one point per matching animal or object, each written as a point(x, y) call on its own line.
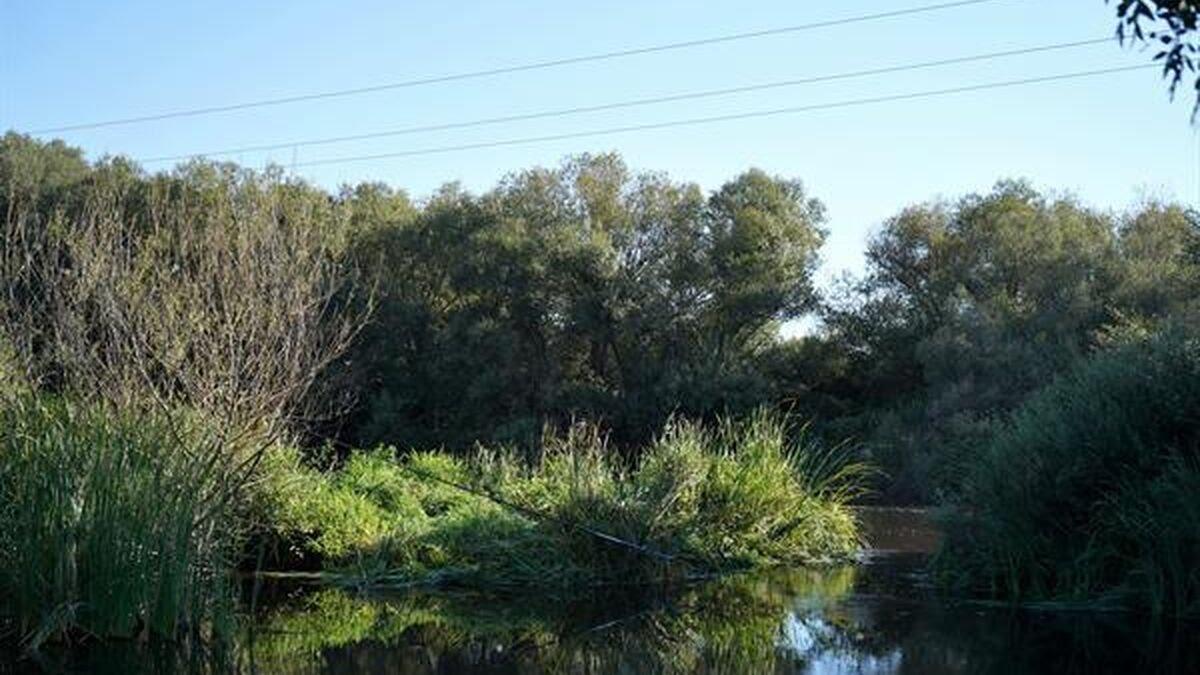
point(876, 618)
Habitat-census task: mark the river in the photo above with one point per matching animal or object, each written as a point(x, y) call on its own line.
point(881, 616)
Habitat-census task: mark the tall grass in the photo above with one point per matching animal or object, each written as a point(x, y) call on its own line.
point(701, 500)
point(1089, 493)
point(108, 526)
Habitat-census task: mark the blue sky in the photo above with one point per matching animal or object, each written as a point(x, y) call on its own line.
point(1111, 140)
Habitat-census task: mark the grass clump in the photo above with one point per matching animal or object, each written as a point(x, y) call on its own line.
point(107, 525)
point(1090, 491)
point(699, 501)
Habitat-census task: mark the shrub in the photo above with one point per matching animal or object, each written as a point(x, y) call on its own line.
point(1089, 491)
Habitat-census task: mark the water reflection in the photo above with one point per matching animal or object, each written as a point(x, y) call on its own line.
point(721, 625)
point(877, 618)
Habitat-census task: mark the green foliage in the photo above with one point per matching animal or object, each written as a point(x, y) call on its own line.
point(1168, 25)
point(1088, 493)
point(38, 176)
point(588, 292)
point(1160, 250)
point(699, 501)
point(108, 525)
point(585, 290)
point(334, 519)
point(968, 308)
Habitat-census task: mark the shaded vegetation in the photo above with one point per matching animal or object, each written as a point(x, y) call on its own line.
point(1090, 493)
point(968, 308)
point(585, 291)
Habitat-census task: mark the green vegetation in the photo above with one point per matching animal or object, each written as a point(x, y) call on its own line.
point(1090, 492)
point(195, 336)
point(109, 524)
point(590, 291)
point(696, 502)
point(585, 291)
point(968, 308)
point(158, 334)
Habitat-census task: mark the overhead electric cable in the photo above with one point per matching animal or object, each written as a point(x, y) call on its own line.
point(563, 112)
point(726, 118)
point(491, 72)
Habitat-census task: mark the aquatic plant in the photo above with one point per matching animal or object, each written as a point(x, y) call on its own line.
point(1088, 494)
point(742, 494)
point(111, 524)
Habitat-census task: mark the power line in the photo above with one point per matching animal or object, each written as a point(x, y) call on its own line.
point(537, 65)
point(725, 118)
point(629, 103)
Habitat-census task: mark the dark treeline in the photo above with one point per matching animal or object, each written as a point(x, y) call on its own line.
point(590, 291)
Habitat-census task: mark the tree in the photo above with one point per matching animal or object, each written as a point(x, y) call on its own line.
point(582, 290)
point(1171, 25)
point(1160, 270)
point(966, 309)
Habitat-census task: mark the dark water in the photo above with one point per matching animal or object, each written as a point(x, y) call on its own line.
point(877, 617)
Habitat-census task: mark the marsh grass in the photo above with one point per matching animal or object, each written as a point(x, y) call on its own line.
point(1089, 494)
point(107, 526)
point(700, 501)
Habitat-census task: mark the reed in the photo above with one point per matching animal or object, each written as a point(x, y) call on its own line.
point(108, 526)
point(1088, 494)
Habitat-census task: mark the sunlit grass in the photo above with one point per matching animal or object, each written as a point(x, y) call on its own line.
point(700, 500)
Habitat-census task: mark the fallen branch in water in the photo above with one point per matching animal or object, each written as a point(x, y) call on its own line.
point(536, 515)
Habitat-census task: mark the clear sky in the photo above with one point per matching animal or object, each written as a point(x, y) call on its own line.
point(1111, 140)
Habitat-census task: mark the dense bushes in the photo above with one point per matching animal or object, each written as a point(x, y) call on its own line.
point(968, 307)
point(213, 288)
point(157, 333)
point(580, 291)
point(590, 292)
point(1090, 492)
point(697, 502)
point(110, 523)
